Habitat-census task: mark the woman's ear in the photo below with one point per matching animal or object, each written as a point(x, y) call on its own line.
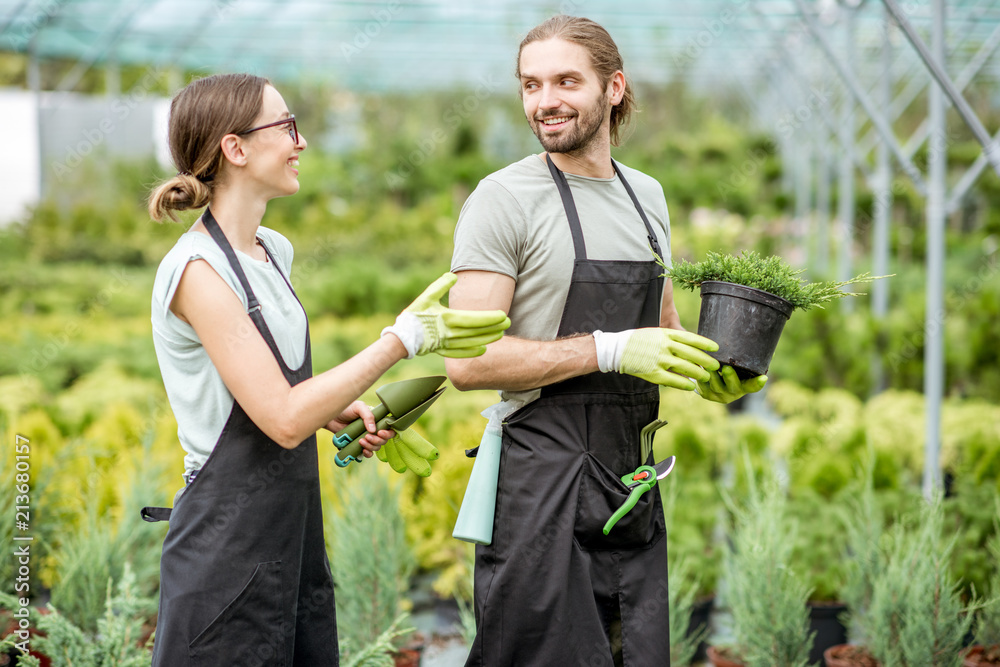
point(233, 149)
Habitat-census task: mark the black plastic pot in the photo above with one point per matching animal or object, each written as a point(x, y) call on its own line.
point(824, 619)
point(745, 322)
point(701, 613)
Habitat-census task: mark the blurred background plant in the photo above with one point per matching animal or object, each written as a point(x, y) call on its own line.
point(369, 557)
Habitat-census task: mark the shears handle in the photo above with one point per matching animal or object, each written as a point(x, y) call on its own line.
point(640, 481)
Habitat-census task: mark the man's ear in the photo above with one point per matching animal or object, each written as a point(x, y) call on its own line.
point(616, 87)
point(233, 150)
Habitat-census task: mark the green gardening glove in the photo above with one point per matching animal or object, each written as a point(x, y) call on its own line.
point(724, 386)
point(408, 450)
point(659, 355)
point(427, 326)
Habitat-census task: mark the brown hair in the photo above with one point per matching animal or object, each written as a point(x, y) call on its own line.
point(200, 115)
point(604, 57)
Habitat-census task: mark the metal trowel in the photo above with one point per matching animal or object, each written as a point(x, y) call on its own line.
point(401, 405)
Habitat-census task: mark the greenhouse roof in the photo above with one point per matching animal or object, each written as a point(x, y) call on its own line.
point(395, 44)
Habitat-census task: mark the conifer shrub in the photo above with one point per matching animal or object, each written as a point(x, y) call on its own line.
point(769, 274)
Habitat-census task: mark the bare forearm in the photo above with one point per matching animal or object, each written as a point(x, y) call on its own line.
point(315, 402)
point(518, 364)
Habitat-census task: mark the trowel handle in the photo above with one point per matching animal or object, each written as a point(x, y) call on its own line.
point(346, 439)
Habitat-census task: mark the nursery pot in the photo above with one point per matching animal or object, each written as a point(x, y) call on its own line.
point(701, 615)
point(849, 655)
point(720, 658)
point(824, 619)
point(745, 322)
point(981, 656)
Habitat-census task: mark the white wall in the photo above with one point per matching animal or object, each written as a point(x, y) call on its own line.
point(20, 159)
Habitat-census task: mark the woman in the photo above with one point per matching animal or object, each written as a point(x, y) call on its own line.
point(244, 575)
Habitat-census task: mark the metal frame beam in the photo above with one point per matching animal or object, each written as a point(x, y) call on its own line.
point(964, 78)
point(990, 148)
point(884, 128)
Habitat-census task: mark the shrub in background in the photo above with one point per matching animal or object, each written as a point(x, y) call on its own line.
point(916, 615)
point(766, 597)
point(370, 559)
point(117, 639)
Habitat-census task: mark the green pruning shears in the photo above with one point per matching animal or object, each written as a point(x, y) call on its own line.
point(642, 480)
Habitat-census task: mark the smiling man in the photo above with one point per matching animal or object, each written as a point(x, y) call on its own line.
point(564, 241)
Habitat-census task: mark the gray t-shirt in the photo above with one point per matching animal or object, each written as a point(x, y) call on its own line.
point(198, 396)
point(514, 223)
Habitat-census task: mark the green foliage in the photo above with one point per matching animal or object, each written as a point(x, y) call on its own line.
point(916, 617)
point(109, 542)
point(430, 505)
point(988, 618)
point(378, 653)
point(370, 559)
point(683, 586)
point(770, 274)
point(864, 524)
point(971, 518)
point(818, 552)
point(766, 597)
point(116, 641)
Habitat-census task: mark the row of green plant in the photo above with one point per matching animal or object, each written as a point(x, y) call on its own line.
point(821, 440)
point(905, 603)
point(124, 455)
point(67, 318)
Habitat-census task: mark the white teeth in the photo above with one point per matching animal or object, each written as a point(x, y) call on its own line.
point(294, 163)
point(553, 121)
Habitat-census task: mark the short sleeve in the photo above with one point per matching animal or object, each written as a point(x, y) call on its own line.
point(490, 233)
point(192, 246)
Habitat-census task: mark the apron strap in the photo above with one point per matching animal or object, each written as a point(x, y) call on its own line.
point(155, 514)
point(635, 200)
point(570, 207)
point(253, 306)
point(574, 217)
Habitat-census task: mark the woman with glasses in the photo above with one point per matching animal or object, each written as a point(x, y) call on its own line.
point(245, 578)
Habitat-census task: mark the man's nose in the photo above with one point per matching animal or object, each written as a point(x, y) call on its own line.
point(550, 98)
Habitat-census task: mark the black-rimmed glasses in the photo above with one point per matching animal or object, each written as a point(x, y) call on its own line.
point(293, 130)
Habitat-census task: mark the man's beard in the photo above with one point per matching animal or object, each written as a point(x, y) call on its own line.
point(587, 124)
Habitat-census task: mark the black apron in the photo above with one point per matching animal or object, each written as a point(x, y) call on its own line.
point(244, 576)
point(552, 589)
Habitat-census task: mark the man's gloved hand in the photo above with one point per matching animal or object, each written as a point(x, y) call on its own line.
point(427, 326)
point(408, 449)
point(725, 386)
point(663, 356)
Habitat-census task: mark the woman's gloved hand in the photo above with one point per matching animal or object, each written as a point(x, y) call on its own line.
point(725, 386)
point(427, 326)
point(666, 357)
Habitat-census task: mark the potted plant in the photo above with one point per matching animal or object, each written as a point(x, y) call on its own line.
point(864, 525)
point(908, 608)
point(820, 557)
point(746, 300)
point(117, 640)
point(372, 565)
point(765, 596)
point(692, 572)
point(685, 637)
point(986, 651)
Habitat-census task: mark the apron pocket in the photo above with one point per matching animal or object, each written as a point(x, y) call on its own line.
point(250, 629)
point(601, 493)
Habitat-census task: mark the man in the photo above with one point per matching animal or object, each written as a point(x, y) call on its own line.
point(564, 241)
